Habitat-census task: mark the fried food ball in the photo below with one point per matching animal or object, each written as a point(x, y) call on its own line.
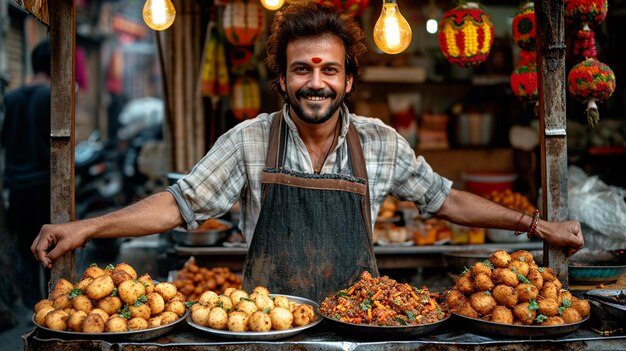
point(178, 297)
point(263, 301)
point(82, 303)
point(140, 310)
point(137, 323)
point(482, 302)
point(167, 290)
point(303, 315)
point(501, 314)
point(75, 321)
point(168, 317)
point(453, 297)
point(500, 259)
point(83, 283)
point(62, 302)
point(520, 267)
point(154, 322)
point(102, 313)
point(127, 268)
point(100, 287)
point(42, 303)
point(119, 276)
point(535, 278)
point(464, 284)
point(582, 306)
point(524, 256)
point(504, 276)
point(281, 318)
point(217, 318)
point(94, 323)
point(246, 306)
point(548, 307)
point(237, 295)
point(209, 298)
point(226, 303)
point(260, 321)
point(237, 322)
point(557, 283)
point(130, 290)
point(480, 267)
point(147, 281)
point(110, 304)
point(62, 287)
point(547, 274)
point(116, 324)
point(523, 313)
point(526, 292)
point(556, 320)
point(549, 291)
point(229, 291)
point(40, 316)
point(465, 309)
point(483, 282)
point(176, 307)
point(261, 290)
point(156, 303)
point(93, 271)
point(571, 315)
point(564, 295)
point(200, 314)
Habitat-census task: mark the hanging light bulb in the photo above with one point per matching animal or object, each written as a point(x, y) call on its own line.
point(159, 14)
point(272, 4)
point(392, 33)
point(431, 23)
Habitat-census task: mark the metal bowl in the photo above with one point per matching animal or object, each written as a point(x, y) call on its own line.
point(517, 331)
point(595, 266)
point(202, 237)
point(505, 236)
point(375, 331)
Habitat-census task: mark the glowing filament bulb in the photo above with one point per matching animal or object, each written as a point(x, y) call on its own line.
point(159, 14)
point(392, 33)
point(272, 4)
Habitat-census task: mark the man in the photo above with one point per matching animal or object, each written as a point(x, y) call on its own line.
point(26, 140)
point(309, 177)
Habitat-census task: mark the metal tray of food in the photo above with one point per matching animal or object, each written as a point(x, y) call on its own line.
point(269, 335)
point(375, 331)
point(517, 331)
point(612, 300)
point(134, 335)
point(210, 233)
point(596, 266)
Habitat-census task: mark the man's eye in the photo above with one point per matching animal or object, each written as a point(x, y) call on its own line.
point(330, 70)
point(301, 69)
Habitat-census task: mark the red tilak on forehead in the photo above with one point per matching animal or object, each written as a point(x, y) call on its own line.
point(316, 59)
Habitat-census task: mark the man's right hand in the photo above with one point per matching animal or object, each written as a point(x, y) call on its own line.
point(54, 240)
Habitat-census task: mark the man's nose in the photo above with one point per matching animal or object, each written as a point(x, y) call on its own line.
point(316, 80)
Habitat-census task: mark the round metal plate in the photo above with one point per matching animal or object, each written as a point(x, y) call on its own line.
point(270, 335)
point(375, 331)
point(511, 330)
point(135, 335)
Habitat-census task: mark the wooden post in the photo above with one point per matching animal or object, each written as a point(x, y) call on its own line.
point(552, 122)
point(62, 15)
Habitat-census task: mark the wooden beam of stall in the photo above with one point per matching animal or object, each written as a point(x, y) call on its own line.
point(62, 75)
point(552, 122)
point(38, 8)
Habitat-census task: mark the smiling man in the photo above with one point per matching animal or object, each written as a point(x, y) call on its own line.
point(309, 177)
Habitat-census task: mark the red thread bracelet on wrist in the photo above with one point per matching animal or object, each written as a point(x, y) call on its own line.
point(533, 223)
point(518, 232)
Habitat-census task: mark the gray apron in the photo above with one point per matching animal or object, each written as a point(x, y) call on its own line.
point(313, 236)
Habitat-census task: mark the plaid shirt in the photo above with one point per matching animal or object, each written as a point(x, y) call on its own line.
point(231, 170)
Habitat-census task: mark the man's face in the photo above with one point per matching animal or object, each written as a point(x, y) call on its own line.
point(315, 81)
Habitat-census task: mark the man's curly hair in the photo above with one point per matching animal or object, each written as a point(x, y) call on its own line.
point(306, 19)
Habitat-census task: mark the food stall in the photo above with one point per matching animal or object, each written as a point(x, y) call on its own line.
point(320, 334)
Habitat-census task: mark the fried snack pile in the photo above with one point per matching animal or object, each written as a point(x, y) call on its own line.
point(513, 289)
point(113, 299)
point(237, 311)
point(382, 302)
point(512, 200)
point(193, 280)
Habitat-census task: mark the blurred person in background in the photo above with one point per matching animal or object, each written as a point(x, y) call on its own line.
point(26, 141)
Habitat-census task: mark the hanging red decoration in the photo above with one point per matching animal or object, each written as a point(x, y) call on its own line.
point(246, 98)
point(524, 78)
point(353, 7)
point(592, 12)
point(466, 35)
point(524, 28)
point(243, 21)
point(591, 81)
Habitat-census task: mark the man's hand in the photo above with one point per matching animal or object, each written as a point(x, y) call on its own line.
point(567, 234)
point(54, 240)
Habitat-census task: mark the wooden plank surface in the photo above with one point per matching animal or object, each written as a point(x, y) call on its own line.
point(38, 8)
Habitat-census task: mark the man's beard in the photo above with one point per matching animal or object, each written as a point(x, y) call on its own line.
point(314, 118)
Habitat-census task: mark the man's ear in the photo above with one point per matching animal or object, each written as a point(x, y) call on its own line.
point(281, 79)
point(349, 80)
